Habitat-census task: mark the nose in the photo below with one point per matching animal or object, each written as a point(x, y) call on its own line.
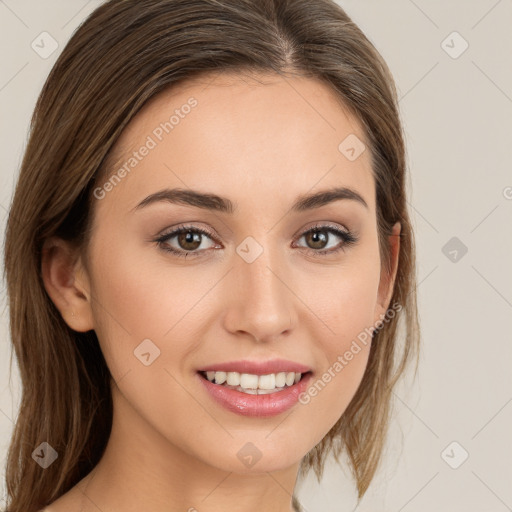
point(261, 304)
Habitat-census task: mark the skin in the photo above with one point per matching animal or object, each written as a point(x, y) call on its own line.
point(260, 144)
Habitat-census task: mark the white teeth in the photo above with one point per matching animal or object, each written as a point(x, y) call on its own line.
point(233, 379)
point(248, 381)
point(220, 377)
point(280, 380)
point(255, 384)
point(267, 381)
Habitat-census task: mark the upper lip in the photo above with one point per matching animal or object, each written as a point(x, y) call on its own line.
point(257, 367)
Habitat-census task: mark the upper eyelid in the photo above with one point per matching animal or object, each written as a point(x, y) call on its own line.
point(325, 225)
point(175, 231)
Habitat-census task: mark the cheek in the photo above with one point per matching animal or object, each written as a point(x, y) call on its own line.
point(131, 302)
point(140, 297)
point(345, 305)
point(342, 298)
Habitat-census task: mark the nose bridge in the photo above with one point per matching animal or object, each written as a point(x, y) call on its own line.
point(262, 304)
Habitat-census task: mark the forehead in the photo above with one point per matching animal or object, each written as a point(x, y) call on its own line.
point(227, 133)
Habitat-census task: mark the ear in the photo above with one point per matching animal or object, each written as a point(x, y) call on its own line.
point(387, 279)
point(67, 283)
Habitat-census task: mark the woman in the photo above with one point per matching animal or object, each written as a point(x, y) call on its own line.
point(208, 254)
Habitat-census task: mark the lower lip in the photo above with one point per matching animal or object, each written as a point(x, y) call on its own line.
point(264, 406)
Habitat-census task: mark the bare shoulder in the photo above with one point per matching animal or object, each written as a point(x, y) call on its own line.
point(71, 501)
point(62, 506)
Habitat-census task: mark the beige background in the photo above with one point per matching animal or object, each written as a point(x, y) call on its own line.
point(457, 115)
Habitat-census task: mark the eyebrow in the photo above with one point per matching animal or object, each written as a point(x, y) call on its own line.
point(220, 204)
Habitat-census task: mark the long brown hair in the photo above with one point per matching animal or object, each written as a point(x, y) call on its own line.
point(123, 54)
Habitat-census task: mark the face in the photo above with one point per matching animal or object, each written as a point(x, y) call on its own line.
point(260, 274)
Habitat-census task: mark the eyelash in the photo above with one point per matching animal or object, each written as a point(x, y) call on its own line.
point(348, 238)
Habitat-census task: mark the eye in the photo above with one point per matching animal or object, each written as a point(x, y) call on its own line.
point(320, 236)
point(188, 238)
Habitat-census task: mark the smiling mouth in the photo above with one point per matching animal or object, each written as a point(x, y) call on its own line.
point(254, 384)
